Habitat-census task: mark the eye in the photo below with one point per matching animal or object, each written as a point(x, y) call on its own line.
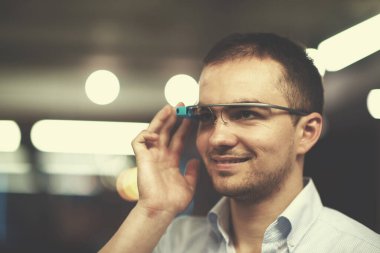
point(243, 114)
point(204, 115)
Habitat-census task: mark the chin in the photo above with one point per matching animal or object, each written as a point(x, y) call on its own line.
point(228, 184)
point(244, 187)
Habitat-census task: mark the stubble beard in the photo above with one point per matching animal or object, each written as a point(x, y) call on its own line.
point(255, 186)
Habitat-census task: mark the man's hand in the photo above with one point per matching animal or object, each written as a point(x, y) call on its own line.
point(161, 185)
point(163, 190)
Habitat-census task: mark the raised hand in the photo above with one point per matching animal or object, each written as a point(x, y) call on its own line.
point(161, 185)
point(163, 190)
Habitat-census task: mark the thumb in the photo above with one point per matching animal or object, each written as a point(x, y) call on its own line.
point(191, 174)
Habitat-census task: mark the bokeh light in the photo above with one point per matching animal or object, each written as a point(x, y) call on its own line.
point(182, 88)
point(351, 45)
point(10, 136)
point(85, 137)
point(102, 87)
point(126, 184)
point(373, 103)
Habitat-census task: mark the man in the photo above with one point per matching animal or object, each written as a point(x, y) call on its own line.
point(259, 113)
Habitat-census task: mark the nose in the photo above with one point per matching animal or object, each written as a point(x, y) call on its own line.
point(222, 135)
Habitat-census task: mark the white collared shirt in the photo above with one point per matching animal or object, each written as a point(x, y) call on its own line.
point(304, 226)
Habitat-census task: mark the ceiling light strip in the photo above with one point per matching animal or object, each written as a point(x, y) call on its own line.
point(10, 136)
point(351, 45)
point(85, 137)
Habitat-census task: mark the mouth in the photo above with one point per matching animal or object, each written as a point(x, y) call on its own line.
point(228, 159)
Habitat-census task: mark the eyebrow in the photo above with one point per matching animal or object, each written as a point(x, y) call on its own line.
point(240, 100)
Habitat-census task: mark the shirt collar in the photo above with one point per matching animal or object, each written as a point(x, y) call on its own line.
point(219, 218)
point(303, 211)
point(301, 214)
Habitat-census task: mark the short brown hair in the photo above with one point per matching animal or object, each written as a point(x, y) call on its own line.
point(302, 86)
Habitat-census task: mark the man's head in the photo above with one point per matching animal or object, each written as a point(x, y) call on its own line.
point(251, 152)
point(301, 83)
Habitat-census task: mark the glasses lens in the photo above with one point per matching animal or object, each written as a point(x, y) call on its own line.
point(203, 114)
point(240, 114)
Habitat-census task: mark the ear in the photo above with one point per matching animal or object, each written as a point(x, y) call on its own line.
point(309, 130)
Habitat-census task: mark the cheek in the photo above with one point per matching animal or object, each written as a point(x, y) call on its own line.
point(278, 145)
point(264, 142)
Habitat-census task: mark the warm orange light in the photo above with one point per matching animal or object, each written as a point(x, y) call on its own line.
point(126, 185)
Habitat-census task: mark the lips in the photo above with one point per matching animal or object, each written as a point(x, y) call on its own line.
point(229, 159)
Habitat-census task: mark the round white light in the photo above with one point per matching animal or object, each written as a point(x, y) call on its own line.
point(317, 60)
point(373, 103)
point(181, 88)
point(102, 87)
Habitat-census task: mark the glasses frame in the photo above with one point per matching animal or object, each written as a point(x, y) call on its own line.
point(186, 111)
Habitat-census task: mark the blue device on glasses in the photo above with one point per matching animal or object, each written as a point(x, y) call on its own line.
point(183, 112)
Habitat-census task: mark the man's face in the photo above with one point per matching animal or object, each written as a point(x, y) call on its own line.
point(246, 161)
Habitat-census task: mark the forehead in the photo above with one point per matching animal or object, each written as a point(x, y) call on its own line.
point(242, 80)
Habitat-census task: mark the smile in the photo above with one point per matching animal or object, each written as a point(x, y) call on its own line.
point(228, 160)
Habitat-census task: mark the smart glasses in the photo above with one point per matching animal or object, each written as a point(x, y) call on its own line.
point(235, 112)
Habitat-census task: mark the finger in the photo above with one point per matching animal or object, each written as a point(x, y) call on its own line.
point(191, 174)
point(177, 141)
point(165, 132)
point(160, 119)
point(144, 141)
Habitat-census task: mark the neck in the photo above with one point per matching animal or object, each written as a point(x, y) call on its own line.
point(249, 220)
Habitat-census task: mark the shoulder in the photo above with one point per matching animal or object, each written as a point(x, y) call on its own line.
point(344, 224)
point(338, 232)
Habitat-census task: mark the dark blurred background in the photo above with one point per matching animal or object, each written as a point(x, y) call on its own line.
point(48, 49)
